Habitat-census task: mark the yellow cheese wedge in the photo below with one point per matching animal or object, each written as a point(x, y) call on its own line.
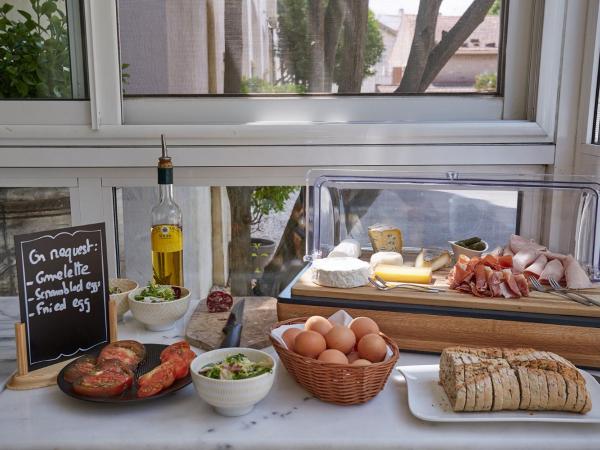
point(404, 274)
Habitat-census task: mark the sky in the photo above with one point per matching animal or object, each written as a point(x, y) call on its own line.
point(448, 8)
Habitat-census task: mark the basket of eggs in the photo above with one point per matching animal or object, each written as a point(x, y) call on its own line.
point(341, 360)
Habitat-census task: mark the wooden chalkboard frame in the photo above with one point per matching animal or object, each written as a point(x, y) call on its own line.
point(98, 228)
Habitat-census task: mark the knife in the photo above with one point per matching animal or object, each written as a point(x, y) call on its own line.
point(233, 327)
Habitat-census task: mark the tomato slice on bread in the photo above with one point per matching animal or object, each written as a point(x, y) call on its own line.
point(135, 346)
point(80, 367)
point(125, 355)
point(117, 367)
point(101, 384)
point(178, 351)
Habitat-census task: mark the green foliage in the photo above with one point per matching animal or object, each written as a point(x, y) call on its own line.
point(257, 85)
point(268, 199)
point(373, 49)
point(34, 52)
point(294, 45)
point(486, 82)
point(495, 8)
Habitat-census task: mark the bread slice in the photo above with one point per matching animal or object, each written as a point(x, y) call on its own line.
point(572, 388)
point(552, 389)
point(470, 385)
point(523, 377)
point(515, 391)
point(562, 391)
point(452, 378)
point(488, 391)
point(534, 389)
point(498, 389)
point(588, 404)
point(544, 397)
point(582, 396)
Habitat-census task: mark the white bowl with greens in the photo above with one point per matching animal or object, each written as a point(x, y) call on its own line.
point(233, 380)
point(119, 289)
point(158, 307)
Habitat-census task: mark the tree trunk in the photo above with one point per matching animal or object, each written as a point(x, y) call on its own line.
point(316, 33)
point(423, 42)
point(334, 19)
point(240, 265)
point(425, 61)
point(234, 46)
point(288, 258)
point(355, 37)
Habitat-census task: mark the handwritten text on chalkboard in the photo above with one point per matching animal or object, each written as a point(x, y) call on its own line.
point(63, 292)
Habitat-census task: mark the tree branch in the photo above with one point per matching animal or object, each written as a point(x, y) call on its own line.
point(423, 42)
point(353, 59)
point(453, 39)
point(334, 18)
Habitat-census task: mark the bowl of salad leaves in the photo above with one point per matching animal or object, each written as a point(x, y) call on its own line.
point(233, 380)
point(119, 289)
point(159, 306)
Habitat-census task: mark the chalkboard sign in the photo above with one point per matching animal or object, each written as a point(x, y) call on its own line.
point(63, 292)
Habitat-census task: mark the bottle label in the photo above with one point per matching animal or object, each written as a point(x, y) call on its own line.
point(167, 238)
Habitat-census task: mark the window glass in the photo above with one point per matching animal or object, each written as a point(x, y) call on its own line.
point(41, 53)
point(191, 47)
point(27, 210)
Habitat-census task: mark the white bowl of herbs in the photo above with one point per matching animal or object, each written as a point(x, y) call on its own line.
point(159, 306)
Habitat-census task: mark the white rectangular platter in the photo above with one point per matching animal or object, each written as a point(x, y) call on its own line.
point(428, 401)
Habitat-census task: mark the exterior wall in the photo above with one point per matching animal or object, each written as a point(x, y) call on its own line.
point(384, 68)
point(463, 68)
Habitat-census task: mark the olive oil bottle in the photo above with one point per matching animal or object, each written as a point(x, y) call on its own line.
point(167, 232)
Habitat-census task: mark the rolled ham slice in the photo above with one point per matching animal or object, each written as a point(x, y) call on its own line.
point(507, 251)
point(575, 275)
point(524, 258)
point(518, 243)
point(554, 269)
point(551, 255)
point(537, 267)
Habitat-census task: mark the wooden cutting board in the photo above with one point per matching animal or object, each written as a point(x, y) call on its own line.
point(205, 329)
point(537, 302)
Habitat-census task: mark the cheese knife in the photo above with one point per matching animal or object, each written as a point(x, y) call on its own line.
point(233, 327)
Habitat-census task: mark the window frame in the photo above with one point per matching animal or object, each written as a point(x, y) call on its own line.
point(77, 142)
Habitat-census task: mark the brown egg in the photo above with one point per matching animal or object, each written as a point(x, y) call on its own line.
point(309, 343)
point(352, 356)
point(362, 362)
point(333, 356)
point(290, 336)
point(372, 347)
point(362, 326)
point(340, 338)
point(319, 324)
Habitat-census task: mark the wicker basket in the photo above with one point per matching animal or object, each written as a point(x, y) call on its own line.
point(341, 384)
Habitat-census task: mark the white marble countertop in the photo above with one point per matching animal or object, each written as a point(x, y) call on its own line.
point(289, 418)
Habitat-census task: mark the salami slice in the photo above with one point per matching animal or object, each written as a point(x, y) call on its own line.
point(219, 301)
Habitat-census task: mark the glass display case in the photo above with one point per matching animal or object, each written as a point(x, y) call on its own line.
point(556, 216)
point(431, 209)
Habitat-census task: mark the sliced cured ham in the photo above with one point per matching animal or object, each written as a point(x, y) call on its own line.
point(575, 275)
point(554, 269)
point(508, 251)
point(480, 278)
point(518, 243)
point(510, 281)
point(552, 255)
point(537, 267)
point(523, 284)
point(506, 261)
point(524, 258)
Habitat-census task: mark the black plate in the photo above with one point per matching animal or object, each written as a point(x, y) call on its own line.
point(151, 360)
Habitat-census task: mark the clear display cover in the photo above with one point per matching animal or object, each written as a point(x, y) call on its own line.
point(431, 209)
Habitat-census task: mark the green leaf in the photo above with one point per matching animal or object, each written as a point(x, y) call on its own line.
point(25, 14)
point(48, 8)
point(6, 8)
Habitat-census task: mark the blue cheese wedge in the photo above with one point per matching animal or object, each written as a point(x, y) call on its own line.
point(436, 259)
point(385, 238)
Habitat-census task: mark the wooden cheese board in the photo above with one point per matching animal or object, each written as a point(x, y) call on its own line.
point(420, 321)
point(205, 329)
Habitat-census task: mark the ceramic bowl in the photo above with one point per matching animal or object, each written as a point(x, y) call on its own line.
point(232, 397)
point(126, 286)
point(458, 250)
point(159, 316)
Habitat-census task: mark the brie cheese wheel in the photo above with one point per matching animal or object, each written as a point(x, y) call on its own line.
point(341, 272)
point(348, 247)
point(392, 258)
